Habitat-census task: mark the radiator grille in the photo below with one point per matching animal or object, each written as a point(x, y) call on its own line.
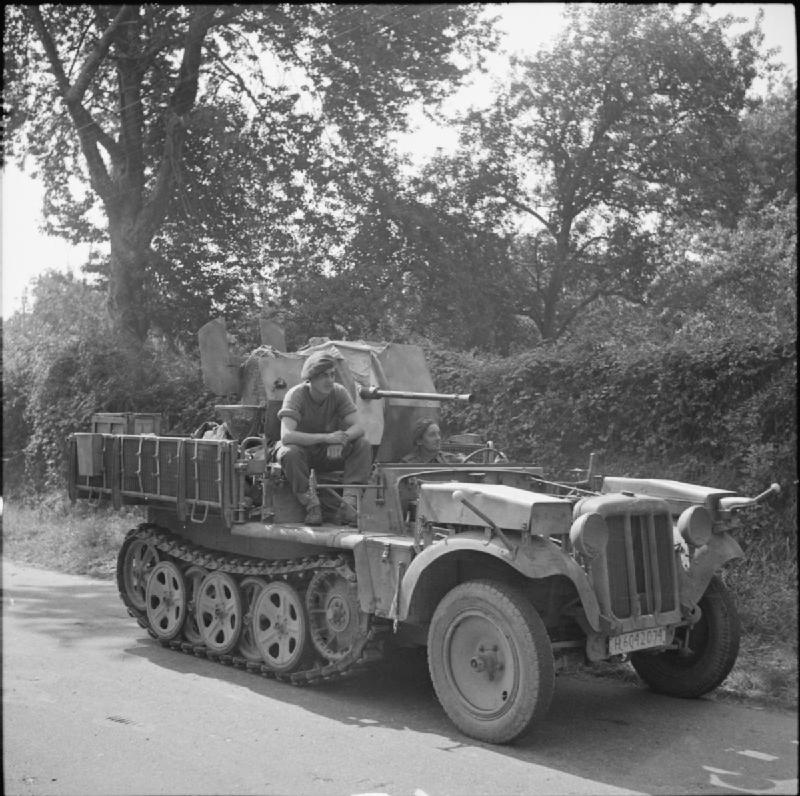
point(641, 564)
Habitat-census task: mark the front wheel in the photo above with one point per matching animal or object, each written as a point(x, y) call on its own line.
point(706, 651)
point(490, 660)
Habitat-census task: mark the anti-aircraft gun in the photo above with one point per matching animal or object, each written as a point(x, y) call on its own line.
point(502, 573)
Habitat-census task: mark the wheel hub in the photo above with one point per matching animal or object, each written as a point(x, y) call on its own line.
point(487, 661)
point(279, 627)
point(338, 614)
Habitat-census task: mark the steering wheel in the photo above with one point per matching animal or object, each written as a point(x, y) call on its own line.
point(499, 456)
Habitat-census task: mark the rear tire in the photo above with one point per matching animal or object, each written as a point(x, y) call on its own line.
point(714, 645)
point(490, 660)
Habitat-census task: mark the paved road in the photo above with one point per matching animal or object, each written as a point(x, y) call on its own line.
point(91, 705)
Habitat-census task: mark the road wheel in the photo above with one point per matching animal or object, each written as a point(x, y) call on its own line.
point(193, 577)
point(249, 588)
point(490, 660)
point(134, 564)
point(337, 624)
point(280, 630)
point(219, 612)
point(166, 600)
point(706, 653)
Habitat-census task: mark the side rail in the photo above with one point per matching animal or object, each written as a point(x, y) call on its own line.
point(196, 476)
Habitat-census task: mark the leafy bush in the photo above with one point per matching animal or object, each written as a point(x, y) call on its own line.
point(721, 414)
point(63, 364)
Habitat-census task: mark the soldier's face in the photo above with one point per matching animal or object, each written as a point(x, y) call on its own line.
point(431, 440)
point(322, 383)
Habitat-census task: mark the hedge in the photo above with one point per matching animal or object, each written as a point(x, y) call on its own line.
point(723, 415)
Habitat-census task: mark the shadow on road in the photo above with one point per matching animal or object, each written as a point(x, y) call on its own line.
point(653, 744)
point(657, 744)
point(66, 611)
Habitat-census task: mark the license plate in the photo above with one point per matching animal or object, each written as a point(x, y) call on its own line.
point(637, 640)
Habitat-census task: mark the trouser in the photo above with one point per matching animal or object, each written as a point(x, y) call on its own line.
point(298, 460)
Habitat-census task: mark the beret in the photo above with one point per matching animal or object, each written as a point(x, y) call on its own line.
point(317, 363)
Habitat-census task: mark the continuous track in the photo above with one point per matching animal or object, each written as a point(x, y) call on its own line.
point(367, 649)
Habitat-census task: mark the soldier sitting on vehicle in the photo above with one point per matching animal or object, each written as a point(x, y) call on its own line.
point(320, 430)
point(427, 440)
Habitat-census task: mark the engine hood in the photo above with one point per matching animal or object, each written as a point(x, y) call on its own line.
point(508, 507)
point(679, 495)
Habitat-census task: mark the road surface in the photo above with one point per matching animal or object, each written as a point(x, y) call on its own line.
point(91, 705)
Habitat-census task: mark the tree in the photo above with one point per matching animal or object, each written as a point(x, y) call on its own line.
point(769, 135)
point(129, 102)
point(412, 267)
point(634, 112)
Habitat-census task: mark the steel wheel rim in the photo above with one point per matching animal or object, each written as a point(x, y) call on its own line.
point(140, 559)
point(279, 626)
point(166, 600)
point(193, 578)
point(481, 665)
point(219, 612)
point(250, 588)
point(333, 614)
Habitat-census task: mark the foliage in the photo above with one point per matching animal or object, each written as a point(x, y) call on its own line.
point(62, 364)
point(769, 139)
point(723, 413)
point(410, 268)
point(81, 539)
point(635, 110)
point(197, 132)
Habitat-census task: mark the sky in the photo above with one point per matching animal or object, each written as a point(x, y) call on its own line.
point(26, 252)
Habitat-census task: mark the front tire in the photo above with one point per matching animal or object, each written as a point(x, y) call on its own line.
point(713, 646)
point(490, 660)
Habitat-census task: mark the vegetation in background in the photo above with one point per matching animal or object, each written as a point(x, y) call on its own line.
point(603, 280)
point(203, 132)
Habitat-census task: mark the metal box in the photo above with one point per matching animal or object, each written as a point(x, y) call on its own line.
point(126, 423)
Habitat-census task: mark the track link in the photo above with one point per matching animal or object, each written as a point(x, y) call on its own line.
point(367, 650)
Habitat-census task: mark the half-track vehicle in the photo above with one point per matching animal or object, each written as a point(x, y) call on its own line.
point(501, 572)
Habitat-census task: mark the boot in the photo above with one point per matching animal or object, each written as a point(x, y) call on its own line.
point(313, 514)
point(346, 514)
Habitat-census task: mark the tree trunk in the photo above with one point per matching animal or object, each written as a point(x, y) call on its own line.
point(555, 288)
point(126, 292)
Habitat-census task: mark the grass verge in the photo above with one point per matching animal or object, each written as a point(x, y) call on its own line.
point(53, 534)
point(83, 540)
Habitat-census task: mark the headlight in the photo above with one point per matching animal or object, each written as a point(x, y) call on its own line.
point(589, 535)
point(695, 525)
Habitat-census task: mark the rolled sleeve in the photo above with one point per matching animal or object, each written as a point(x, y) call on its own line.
point(289, 411)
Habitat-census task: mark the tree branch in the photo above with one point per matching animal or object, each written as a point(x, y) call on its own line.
point(95, 58)
point(240, 82)
point(181, 102)
point(589, 242)
point(88, 131)
point(571, 315)
point(526, 208)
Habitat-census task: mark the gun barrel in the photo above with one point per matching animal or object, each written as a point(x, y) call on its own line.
point(376, 392)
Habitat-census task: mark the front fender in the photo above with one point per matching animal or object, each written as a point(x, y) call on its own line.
point(706, 561)
point(536, 559)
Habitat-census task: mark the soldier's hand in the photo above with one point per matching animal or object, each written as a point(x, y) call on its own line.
point(336, 438)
